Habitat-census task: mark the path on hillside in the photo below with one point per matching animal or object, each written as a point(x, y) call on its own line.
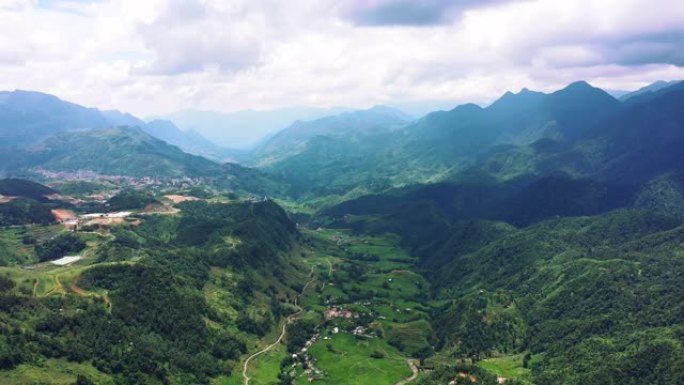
point(288, 321)
point(73, 286)
point(414, 374)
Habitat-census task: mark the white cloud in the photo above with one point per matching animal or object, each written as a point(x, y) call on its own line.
point(158, 56)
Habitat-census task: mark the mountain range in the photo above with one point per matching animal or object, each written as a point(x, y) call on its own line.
point(245, 129)
point(537, 240)
point(27, 117)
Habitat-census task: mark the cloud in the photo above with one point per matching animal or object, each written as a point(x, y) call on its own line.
point(157, 56)
point(660, 48)
point(410, 12)
point(188, 36)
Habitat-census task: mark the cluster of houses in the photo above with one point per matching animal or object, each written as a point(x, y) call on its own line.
point(307, 361)
point(335, 312)
point(88, 175)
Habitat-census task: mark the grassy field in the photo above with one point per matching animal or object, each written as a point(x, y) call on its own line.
point(58, 372)
point(507, 366)
point(342, 243)
point(391, 292)
point(267, 367)
point(349, 361)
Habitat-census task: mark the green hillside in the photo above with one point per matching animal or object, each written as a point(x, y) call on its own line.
point(176, 299)
point(119, 151)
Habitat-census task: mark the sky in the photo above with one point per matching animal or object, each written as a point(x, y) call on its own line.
point(153, 57)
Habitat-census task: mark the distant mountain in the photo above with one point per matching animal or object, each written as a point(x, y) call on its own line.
point(130, 151)
point(447, 142)
point(116, 151)
point(368, 151)
point(349, 125)
point(653, 87)
point(118, 118)
point(244, 129)
point(641, 143)
point(26, 117)
point(618, 94)
point(655, 93)
point(189, 141)
point(331, 155)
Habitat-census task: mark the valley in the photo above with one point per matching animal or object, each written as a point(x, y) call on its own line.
point(520, 243)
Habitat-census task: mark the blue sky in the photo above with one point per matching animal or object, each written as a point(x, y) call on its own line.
point(159, 56)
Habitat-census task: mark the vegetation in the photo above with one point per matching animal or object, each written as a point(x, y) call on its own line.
point(59, 247)
point(147, 318)
point(543, 246)
point(130, 200)
point(24, 211)
point(24, 188)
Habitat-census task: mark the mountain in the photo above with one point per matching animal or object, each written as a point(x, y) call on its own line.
point(118, 118)
point(651, 88)
point(346, 156)
point(116, 151)
point(520, 118)
point(449, 142)
point(551, 251)
point(26, 117)
point(244, 129)
point(349, 126)
point(370, 151)
point(189, 141)
point(332, 155)
point(565, 290)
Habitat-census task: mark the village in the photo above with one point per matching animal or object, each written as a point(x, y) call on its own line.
point(363, 314)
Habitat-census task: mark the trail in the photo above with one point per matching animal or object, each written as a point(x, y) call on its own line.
point(59, 288)
point(414, 369)
point(288, 321)
point(73, 286)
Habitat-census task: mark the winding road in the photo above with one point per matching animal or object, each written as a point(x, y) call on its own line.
point(414, 369)
point(289, 320)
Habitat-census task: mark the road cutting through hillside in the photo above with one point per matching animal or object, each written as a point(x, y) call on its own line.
point(414, 373)
point(288, 321)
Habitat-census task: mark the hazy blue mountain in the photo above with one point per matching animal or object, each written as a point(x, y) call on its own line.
point(26, 117)
point(653, 94)
point(381, 148)
point(564, 114)
point(349, 126)
point(642, 142)
point(189, 141)
point(653, 87)
point(618, 94)
point(638, 142)
point(447, 142)
point(118, 118)
point(244, 129)
point(116, 151)
point(131, 151)
point(444, 137)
